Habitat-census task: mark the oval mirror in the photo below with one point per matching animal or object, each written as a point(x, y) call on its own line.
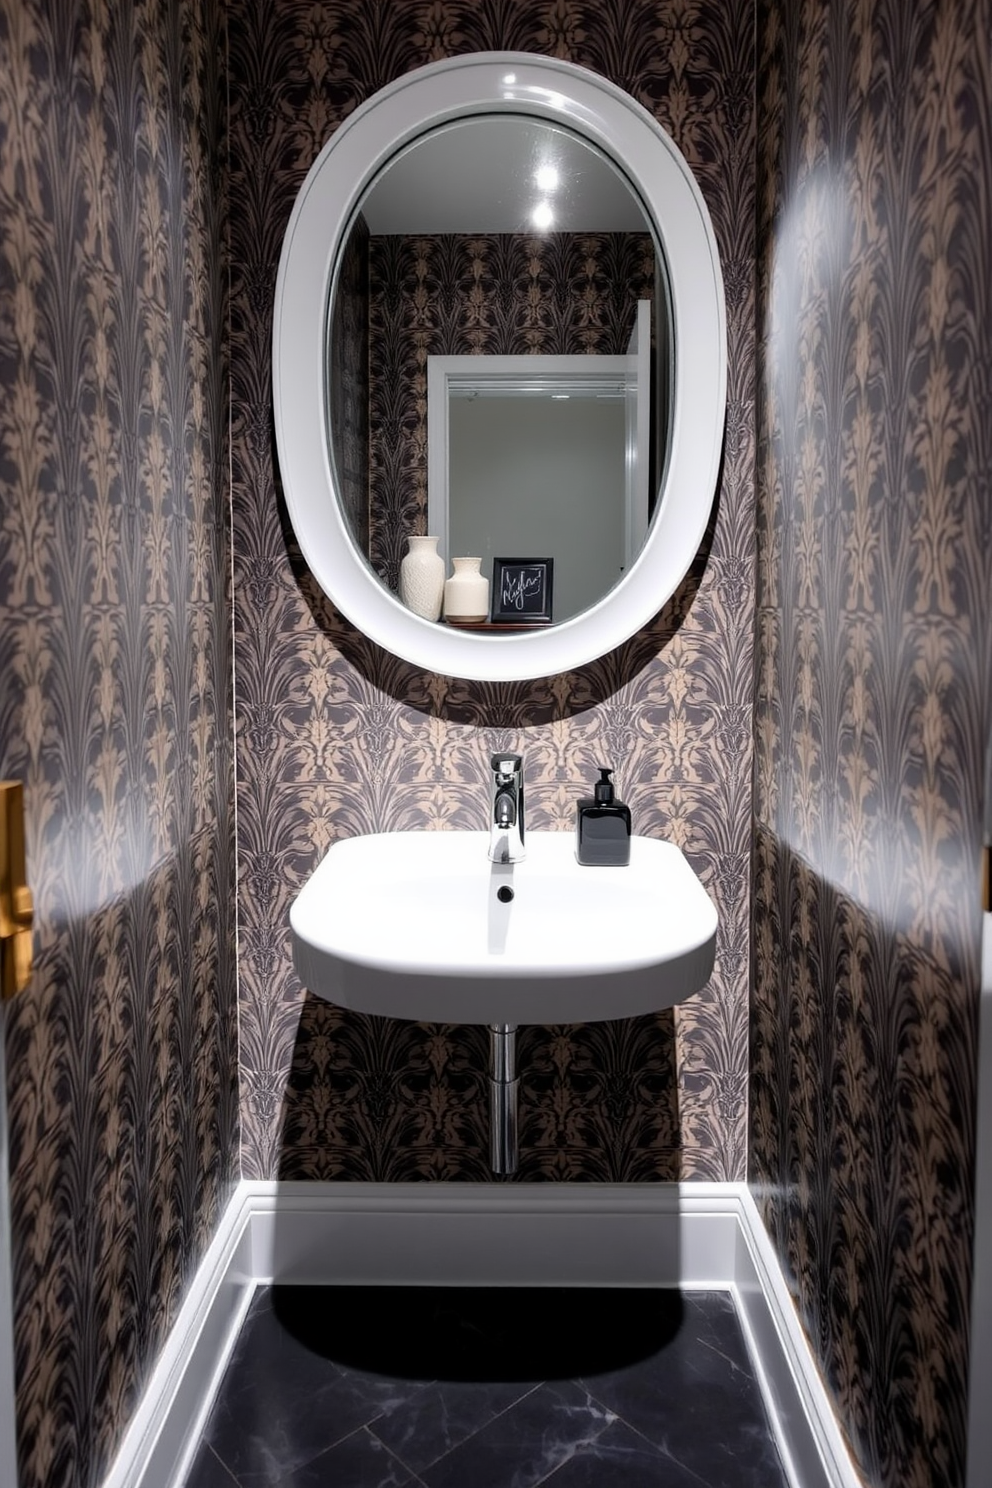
point(499, 318)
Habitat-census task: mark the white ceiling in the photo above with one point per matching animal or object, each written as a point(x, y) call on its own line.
point(478, 176)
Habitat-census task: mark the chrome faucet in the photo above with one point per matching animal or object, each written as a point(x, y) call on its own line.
point(506, 816)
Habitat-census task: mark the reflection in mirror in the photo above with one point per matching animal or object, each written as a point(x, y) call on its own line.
point(543, 454)
point(445, 259)
point(540, 475)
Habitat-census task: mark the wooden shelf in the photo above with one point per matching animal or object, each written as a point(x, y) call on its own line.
point(498, 625)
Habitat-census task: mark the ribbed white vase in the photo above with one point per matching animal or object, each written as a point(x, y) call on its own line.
point(422, 578)
point(466, 593)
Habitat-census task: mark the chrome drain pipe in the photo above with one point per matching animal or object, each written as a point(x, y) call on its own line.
point(503, 1084)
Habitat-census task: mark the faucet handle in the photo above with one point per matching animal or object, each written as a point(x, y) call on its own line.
point(507, 764)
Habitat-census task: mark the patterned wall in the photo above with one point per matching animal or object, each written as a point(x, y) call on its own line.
point(875, 570)
point(114, 706)
point(874, 576)
point(336, 737)
point(496, 294)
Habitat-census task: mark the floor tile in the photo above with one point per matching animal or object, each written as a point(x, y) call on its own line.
point(620, 1458)
point(438, 1387)
point(526, 1443)
point(498, 1334)
point(282, 1404)
point(697, 1400)
point(209, 1472)
point(357, 1462)
point(443, 1416)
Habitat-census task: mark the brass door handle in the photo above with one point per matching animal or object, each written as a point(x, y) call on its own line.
point(16, 904)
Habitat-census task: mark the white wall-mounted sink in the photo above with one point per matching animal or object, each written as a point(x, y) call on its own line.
point(421, 925)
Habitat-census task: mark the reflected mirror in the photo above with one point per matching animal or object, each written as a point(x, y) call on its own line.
point(484, 378)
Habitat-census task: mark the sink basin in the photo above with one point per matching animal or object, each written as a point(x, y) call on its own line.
point(421, 925)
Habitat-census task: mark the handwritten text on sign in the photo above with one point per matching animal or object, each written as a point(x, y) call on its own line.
point(519, 585)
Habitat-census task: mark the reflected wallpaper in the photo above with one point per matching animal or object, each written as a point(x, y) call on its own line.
point(496, 294)
point(874, 698)
point(336, 737)
point(114, 698)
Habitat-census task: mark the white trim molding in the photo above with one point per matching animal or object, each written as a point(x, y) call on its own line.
point(162, 1436)
point(698, 1236)
point(811, 1441)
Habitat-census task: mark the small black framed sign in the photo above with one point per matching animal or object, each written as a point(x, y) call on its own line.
point(522, 591)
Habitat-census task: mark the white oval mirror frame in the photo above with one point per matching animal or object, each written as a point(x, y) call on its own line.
point(559, 92)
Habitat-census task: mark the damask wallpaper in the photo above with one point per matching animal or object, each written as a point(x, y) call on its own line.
point(114, 696)
point(871, 136)
point(496, 294)
point(336, 737)
point(874, 697)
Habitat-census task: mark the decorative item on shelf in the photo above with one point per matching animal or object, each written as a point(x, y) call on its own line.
point(466, 593)
point(522, 591)
point(422, 578)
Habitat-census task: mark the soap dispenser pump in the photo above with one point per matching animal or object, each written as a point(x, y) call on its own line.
point(602, 826)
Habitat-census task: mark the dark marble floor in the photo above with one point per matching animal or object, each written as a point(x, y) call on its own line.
point(340, 1387)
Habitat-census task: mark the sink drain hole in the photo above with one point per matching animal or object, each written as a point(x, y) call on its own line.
point(504, 895)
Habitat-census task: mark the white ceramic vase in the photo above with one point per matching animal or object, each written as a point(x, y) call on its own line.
point(466, 593)
point(422, 578)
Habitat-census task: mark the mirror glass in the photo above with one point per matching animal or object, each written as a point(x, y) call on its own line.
point(499, 350)
point(539, 473)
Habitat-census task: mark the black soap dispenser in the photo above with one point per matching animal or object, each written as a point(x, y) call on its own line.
point(602, 827)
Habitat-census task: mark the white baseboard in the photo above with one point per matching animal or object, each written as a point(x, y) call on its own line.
point(481, 1234)
point(809, 1438)
point(699, 1236)
point(163, 1433)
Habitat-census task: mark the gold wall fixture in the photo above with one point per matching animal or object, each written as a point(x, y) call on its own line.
point(16, 909)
